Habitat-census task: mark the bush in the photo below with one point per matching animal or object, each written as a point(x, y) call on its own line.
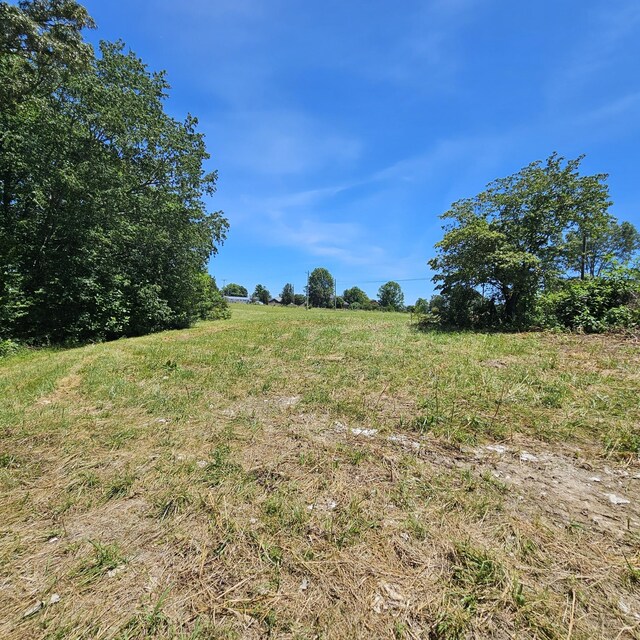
point(211, 304)
point(594, 305)
point(8, 347)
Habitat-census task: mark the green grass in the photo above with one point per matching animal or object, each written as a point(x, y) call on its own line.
point(216, 474)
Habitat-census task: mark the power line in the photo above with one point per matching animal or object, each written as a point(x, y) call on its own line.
point(392, 280)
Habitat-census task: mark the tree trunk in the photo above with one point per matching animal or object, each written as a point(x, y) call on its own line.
point(583, 256)
point(510, 306)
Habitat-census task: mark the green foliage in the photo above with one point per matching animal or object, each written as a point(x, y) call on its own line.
point(299, 299)
point(321, 286)
point(612, 242)
point(355, 295)
point(103, 231)
point(287, 296)
point(261, 294)
point(593, 305)
point(211, 304)
point(421, 306)
point(8, 348)
point(509, 241)
point(390, 296)
point(234, 289)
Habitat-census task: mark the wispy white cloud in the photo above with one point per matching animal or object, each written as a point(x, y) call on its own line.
point(281, 142)
point(591, 61)
point(423, 51)
point(612, 111)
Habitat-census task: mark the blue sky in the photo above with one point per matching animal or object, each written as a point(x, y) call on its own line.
point(341, 130)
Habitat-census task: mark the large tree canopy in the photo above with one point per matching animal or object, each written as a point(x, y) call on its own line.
point(508, 242)
point(390, 296)
point(356, 296)
point(104, 230)
point(233, 289)
point(287, 296)
point(261, 294)
point(590, 255)
point(321, 286)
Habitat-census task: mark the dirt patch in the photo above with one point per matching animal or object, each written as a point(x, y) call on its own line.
point(566, 489)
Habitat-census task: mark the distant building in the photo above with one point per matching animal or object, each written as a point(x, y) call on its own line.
point(275, 301)
point(238, 299)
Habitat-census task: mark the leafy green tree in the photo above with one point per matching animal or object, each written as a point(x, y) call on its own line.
point(40, 45)
point(321, 288)
point(355, 295)
point(287, 295)
point(103, 231)
point(594, 254)
point(508, 240)
point(299, 299)
point(261, 294)
point(421, 306)
point(211, 305)
point(390, 296)
point(233, 289)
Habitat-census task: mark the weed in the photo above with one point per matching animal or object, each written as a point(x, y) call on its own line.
point(219, 468)
point(9, 461)
point(105, 557)
point(172, 503)
point(473, 569)
point(417, 529)
point(631, 573)
point(347, 525)
point(120, 486)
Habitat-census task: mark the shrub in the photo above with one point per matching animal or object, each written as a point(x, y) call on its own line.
point(593, 305)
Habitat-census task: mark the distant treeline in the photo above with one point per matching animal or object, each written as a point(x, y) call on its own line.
point(103, 230)
point(320, 293)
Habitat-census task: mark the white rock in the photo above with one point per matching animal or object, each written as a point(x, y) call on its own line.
point(114, 572)
point(54, 539)
point(595, 479)
point(328, 505)
point(404, 441)
point(54, 598)
point(368, 433)
point(614, 499)
point(33, 609)
point(304, 585)
point(497, 448)
point(528, 457)
point(378, 603)
point(201, 463)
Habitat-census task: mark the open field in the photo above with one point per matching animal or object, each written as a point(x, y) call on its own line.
point(295, 474)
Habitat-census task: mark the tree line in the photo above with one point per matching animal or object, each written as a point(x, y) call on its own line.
point(539, 248)
point(103, 228)
point(320, 293)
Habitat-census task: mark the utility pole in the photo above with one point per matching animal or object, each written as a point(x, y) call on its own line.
point(335, 294)
point(307, 302)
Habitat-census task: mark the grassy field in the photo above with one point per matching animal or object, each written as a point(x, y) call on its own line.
point(294, 474)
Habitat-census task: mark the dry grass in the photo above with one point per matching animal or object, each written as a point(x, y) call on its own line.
point(294, 474)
